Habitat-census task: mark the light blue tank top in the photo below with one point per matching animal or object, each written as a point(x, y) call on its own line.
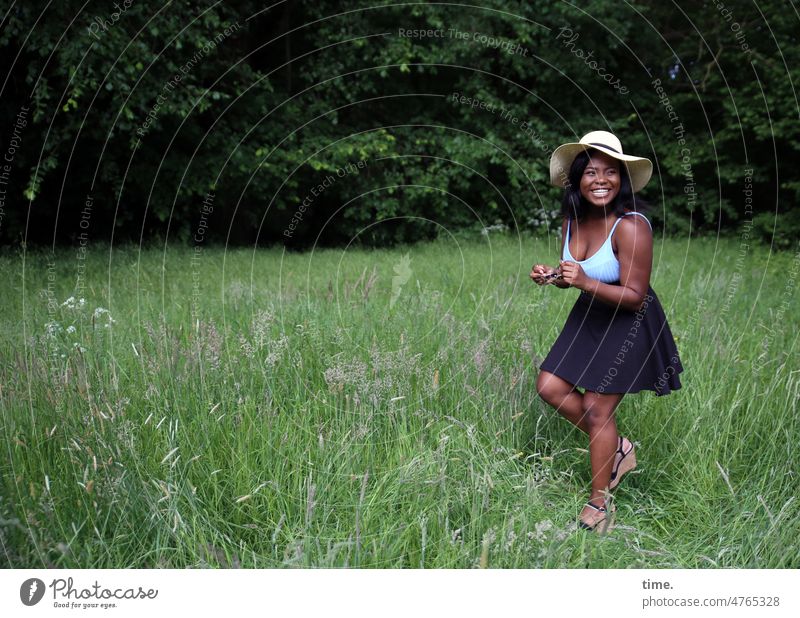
point(603, 265)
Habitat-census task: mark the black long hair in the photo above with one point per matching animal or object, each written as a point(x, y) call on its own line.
point(575, 206)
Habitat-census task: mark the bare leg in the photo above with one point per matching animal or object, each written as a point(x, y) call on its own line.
point(603, 441)
point(564, 397)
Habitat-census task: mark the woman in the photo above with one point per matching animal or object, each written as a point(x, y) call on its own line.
point(616, 339)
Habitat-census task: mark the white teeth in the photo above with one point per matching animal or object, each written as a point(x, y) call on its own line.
point(600, 192)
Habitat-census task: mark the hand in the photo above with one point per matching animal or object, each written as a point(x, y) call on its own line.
point(573, 274)
point(539, 272)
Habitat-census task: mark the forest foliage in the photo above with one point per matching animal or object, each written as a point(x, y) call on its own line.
point(330, 122)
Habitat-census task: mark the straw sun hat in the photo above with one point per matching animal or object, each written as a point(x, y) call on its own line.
point(639, 168)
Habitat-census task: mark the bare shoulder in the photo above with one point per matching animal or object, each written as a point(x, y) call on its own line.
point(633, 226)
point(633, 234)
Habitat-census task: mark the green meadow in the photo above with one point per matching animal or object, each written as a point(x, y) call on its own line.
point(377, 408)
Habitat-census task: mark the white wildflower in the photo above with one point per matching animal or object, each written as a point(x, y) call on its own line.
point(497, 227)
point(73, 304)
point(100, 312)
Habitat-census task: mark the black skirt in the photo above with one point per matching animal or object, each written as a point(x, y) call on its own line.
point(607, 349)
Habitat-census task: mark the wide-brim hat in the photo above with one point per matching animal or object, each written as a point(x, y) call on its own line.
point(639, 169)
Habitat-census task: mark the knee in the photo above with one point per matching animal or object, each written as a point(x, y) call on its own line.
point(595, 415)
point(546, 388)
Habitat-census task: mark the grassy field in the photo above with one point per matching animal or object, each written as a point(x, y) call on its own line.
point(378, 409)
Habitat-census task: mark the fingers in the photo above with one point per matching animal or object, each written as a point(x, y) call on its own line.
point(540, 272)
point(571, 271)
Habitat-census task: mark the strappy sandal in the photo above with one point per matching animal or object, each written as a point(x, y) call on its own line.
point(603, 524)
point(624, 464)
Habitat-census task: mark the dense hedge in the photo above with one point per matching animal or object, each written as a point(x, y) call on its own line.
point(330, 122)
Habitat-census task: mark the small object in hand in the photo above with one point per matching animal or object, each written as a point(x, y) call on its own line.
point(553, 276)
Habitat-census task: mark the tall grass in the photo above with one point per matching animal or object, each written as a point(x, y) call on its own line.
point(348, 408)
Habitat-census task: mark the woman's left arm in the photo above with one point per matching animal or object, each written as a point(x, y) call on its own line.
point(635, 255)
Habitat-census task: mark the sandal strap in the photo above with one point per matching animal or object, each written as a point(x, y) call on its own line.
point(615, 470)
point(597, 508)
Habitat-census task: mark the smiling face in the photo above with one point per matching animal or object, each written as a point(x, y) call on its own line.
point(600, 181)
